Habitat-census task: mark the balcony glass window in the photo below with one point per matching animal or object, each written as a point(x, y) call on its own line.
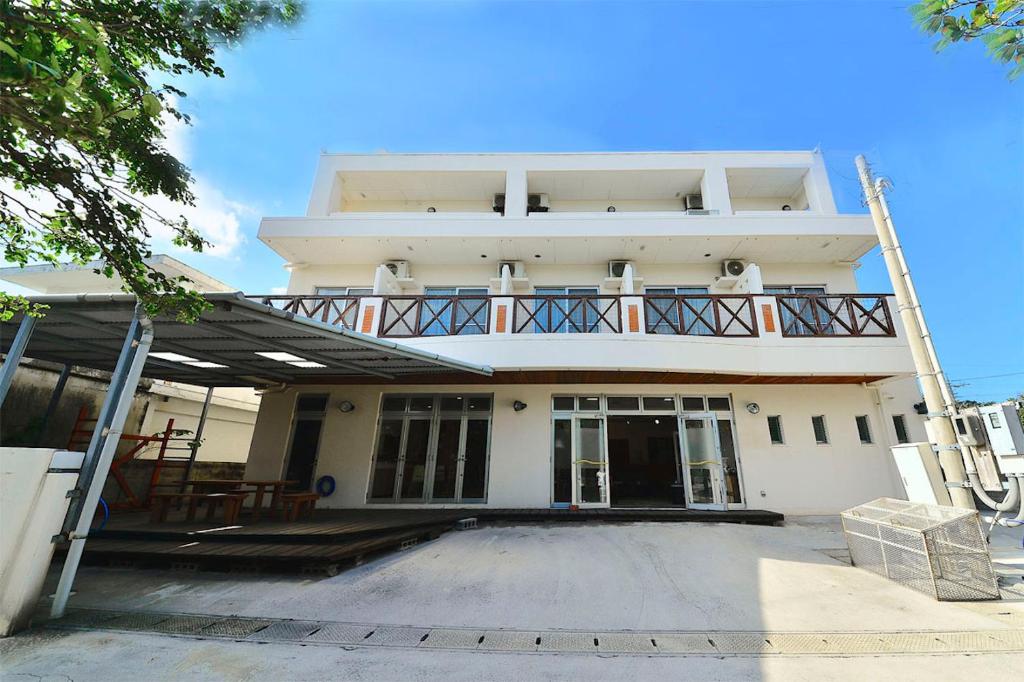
point(344, 291)
point(698, 314)
point(567, 315)
point(798, 324)
point(440, 315)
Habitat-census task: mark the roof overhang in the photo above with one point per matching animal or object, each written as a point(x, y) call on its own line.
point(88, 330)
point(71, 278)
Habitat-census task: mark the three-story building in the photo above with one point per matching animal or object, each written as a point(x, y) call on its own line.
point(665, 329)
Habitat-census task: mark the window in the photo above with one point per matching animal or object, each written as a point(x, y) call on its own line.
point(693, 404)
point(801, 323)
point(719, 404)
point(820, 432)
point(775, 429)
point(305, 439)
point(344, 291)
point(469, 310)
point(432, 448)
point(993, 419)
point(567, 315)
point(627, 403)
point(659, 403)
point(864, 430)
point(563, 403)
point(899, 422)
point(698, 313)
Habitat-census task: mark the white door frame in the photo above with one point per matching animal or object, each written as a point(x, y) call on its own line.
point(720, 500)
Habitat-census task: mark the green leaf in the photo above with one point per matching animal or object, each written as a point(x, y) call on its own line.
point(151, 103)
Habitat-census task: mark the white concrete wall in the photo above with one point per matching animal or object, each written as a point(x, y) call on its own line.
point(799, 477)
point(229, 423)
point(33, 504)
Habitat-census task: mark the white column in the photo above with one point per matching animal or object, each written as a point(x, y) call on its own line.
point(714, 189)
point(515, 193)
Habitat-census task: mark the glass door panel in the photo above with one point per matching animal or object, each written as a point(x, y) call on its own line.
point(474, 464)
point(562, 462)
point(446, 463)
point(591, 462)
point(730, 466)
point(414, 470)
point(386, 468)
point(703, 461)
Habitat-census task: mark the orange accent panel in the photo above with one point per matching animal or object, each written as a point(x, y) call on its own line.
point(634, 318)
point(769, 317)
point(367, 325)
point(500, 321)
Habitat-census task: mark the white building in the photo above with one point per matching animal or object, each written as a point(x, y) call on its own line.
point(664, 329)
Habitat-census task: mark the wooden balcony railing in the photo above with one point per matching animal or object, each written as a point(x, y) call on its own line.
point(412, 316)
point(837, 315)
point(700, 315)
point(407, 316)
point(567, 314)
point(339, 311)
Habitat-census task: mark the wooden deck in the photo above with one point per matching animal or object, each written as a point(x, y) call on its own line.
point(334, 538)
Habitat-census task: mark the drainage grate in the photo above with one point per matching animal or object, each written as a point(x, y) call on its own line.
point(341, 633)
point(235, 628)
point(184, 625)
point(286, 631)
point(509, 640)
point(396, 636)
point(440, 638)
point(613, 643)
point(567, 641)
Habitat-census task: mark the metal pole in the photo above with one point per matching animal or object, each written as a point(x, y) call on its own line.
point(102, 448)
point(197, 437)
point(929, 373)
point(58, 391)
point(14, 354)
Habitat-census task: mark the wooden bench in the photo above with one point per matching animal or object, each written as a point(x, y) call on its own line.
point(295, 504)
point(232, 503)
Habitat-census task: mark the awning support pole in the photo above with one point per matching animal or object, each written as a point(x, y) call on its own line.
point(197, 437)
point(102, 447)
point(55, 396)
point(15, 354)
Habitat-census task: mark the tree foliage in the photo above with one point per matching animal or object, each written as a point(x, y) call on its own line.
point(999, 24)
point(82, 98)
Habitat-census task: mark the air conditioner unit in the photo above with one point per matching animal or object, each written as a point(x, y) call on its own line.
point(970, 429)
point(398, 268)
point(693, 202)
point(537, 203)
point(617, 268)
point(733, 268)
point(515, 267)
point(499, 204)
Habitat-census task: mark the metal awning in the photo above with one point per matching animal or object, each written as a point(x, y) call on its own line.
point(227, 346)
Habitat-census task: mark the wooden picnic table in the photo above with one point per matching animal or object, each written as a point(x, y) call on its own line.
point(259, 487)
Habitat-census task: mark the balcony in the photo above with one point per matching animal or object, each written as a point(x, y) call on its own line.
point(767, 337)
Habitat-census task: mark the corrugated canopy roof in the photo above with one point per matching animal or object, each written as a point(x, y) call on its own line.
point(236, 343)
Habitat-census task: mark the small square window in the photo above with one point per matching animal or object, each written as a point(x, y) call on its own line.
point(629, 403)
point(480, 403)
point(899, 422)
point(820, 432)
point(864, 430)
point(660, 403)
point(421, 403)
point(693, 404)
point(563, 403)
point(719, 404)
point(993, 419)
point(775, 429)
point(589, 404)
point(393, 403)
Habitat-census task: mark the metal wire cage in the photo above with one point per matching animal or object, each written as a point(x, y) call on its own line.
point(940, 551)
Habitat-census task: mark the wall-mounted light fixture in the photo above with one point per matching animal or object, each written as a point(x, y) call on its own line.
point(519, 406)
point(753, 408)
point(431, 209)
point(787, 207)
point(611, 209)
point(346, 406)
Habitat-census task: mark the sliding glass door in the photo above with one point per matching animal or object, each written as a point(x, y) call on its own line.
point(579, 461)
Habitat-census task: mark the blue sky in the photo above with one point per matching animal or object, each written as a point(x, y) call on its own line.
point(850, 77)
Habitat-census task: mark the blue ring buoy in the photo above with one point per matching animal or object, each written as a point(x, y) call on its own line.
point(106, 514)
point(325, 486)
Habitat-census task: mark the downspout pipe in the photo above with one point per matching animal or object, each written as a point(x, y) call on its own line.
point(929, 374)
